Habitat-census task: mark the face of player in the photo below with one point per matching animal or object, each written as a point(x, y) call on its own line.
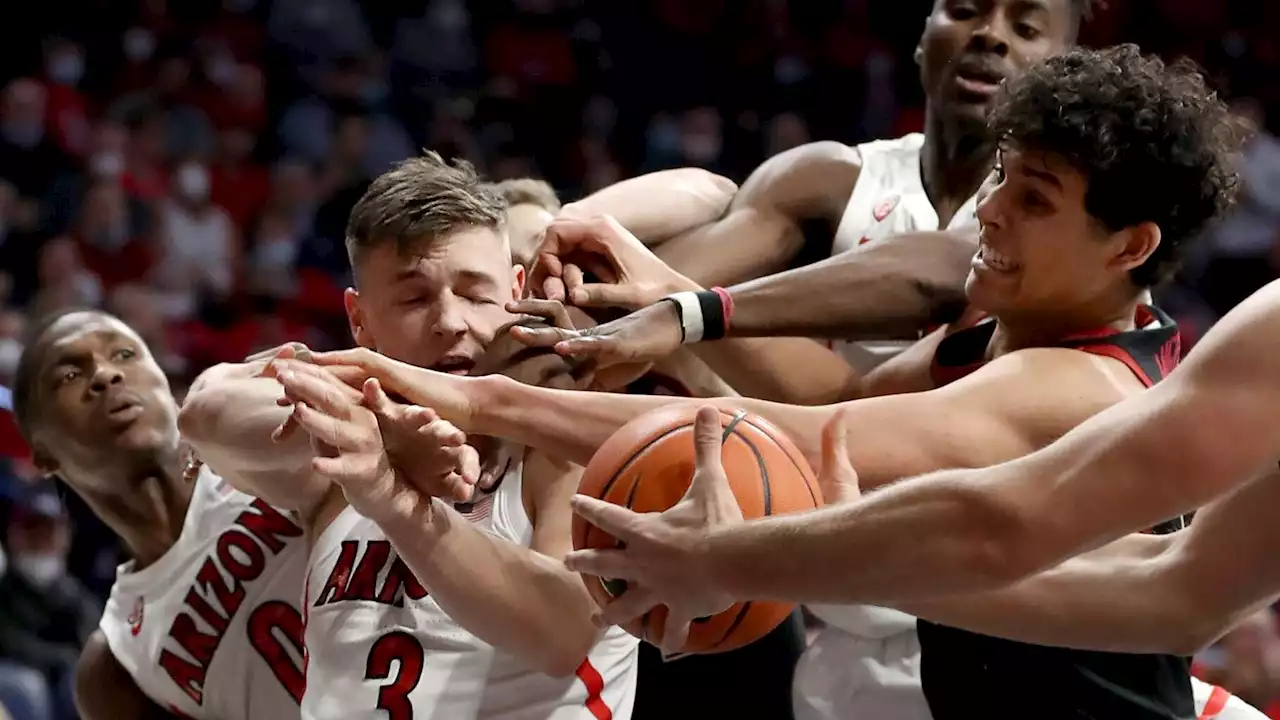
point(525, 225)
point(99, 395)
point(1040, 253)
point(439, 306)
point(970, 46)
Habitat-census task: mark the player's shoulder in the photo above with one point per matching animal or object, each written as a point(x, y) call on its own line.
point(908, 145)
point(814, 177)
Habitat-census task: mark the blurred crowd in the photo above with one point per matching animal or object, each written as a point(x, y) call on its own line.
point(190, 166)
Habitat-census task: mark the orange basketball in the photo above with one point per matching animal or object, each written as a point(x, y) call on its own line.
point(647, 466)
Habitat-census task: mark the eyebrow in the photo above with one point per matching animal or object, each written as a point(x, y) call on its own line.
point(1042, 175)
point(476, 277)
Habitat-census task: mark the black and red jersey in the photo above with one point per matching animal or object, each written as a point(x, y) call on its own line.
point(968, 675)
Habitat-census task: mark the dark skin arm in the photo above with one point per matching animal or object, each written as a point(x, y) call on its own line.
point(104, 690)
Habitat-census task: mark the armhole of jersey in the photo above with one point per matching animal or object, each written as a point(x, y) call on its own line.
point(860, 154)
point(512, 520)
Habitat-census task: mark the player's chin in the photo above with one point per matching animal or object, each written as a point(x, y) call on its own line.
point(139, 437)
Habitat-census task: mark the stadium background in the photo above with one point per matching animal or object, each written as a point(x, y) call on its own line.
point(112, 110)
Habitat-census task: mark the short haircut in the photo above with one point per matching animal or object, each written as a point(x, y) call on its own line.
point(1154, 143)
point(421, 199)
point(26, 377)
point(529, 191)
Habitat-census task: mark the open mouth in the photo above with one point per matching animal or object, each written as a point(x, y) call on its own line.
point(978, 79)
point(990, 259)
point(455, 365)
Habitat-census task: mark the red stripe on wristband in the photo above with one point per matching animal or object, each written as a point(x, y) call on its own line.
point(726, 303)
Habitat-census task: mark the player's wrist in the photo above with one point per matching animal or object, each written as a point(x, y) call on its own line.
point(704, 315)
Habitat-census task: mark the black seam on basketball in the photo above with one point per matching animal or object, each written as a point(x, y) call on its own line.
point(794, 462)
point(737, 620)
point(733, 423)
point(765, 490)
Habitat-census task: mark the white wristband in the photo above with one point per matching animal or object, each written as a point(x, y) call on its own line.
point(690, 312)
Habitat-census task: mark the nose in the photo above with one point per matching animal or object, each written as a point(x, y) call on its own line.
point(990, 213)
point(104, 376)
point(450, 319)
point(991, 36)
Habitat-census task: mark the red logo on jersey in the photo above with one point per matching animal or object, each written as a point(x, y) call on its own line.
point(352, 581)
point(219, 590)
point(864, 240)
point(885, 207)
point(135, 618)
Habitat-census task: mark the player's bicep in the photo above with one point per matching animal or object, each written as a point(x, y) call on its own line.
point(1009, 408)
point(548, 485)
point(104, 690)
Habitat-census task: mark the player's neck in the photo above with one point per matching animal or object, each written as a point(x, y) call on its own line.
point(1018, 331)
point(147, 506)
point(954, 162)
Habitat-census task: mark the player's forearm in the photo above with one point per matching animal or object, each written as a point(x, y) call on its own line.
point(890, 289)
point(662, 204)
point(1124, 597)
point(573, 425)
point(228, 418)
point(766, 368)
point(512, 597)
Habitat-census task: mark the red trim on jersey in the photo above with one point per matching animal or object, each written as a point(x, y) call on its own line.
point(594, 683)
point(1119, 353)
point(1216, 703)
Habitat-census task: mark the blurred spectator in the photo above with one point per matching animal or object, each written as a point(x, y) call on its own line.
point(434, 51)
point(67, 111)
point(13, 325)
point(45, 614)
point(19, 246)
point(65, 282)
point(29, 159)
point(109, 239)
point(239, 185)
point(199, 251)
point(786, 130)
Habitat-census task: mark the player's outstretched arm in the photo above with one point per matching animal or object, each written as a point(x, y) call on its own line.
point(104, 690)
point(520, 599)
point(761, 232)
point(229, 416)
point(1170, 594)
point(660, 205)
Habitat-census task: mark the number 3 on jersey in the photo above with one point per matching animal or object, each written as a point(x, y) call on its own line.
point(407, 652)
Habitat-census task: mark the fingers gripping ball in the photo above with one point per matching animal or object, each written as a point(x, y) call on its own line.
point(647, 466)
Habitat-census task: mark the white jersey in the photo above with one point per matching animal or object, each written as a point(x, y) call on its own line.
point(380, 648)
point(212, 629)
point(888, 199)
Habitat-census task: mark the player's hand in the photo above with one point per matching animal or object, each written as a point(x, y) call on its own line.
point(289, 350)
point(662, 555)
point(335, 416)
point(837, 478)
point(589, 375)
point(427, 451)
point(445, 394)
point(630, 275)
point(644, 336)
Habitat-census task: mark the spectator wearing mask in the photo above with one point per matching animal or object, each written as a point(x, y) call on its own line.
point(198, 245)
point(67, 113)
point(29, 159)
point(45, 614)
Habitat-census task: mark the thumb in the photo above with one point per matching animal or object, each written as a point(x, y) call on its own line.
point(707, 439)
point(599, 295)
point(375, 399)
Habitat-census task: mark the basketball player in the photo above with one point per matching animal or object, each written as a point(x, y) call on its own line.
point(1068, 338)
point(203, 622)
point(457, 606)
point(688, 197)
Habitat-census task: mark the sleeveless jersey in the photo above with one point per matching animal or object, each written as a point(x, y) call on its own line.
point(888, 199)
point(212, 629)
point(380, 648)
point(967, 675)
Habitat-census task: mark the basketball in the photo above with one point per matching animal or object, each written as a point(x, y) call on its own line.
point(647, 466)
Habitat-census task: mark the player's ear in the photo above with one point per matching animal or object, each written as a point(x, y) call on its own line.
point(1135, 244)
point(918, 55)
point(355, 319)
point(518, 278)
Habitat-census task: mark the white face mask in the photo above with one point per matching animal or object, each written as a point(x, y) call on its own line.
point(41, 569)
point(67, 68)
point(10, 351)
point(193, 182)
point(139, 44)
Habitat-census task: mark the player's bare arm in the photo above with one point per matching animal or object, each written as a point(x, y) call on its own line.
point(522, 600)
point(229, 416)
point(986, 418)
point(1171, 594)
point(660, 205)
point(761, 232)
point(104, 690)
